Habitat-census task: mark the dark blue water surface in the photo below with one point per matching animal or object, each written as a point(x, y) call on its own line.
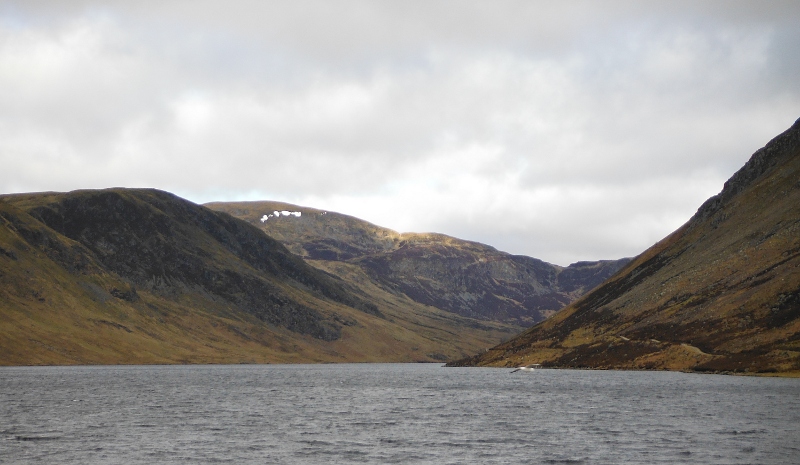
point(392, 413)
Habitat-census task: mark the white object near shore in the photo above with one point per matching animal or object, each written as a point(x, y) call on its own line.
point(530, 367)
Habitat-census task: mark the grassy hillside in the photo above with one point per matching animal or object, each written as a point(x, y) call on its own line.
point(142, 276)
point(722, 293)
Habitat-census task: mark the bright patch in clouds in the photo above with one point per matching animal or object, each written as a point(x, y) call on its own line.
point(565, 131)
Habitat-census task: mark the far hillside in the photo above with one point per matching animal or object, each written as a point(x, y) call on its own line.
point(466, 278)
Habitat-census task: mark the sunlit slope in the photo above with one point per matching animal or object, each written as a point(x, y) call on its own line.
point(722, 293)
point(314, 234)
point(462, 277)
point(142, 276)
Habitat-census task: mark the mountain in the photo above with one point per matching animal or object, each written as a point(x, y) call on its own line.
point(722, 293)
point(466, 278)
point(143, 276)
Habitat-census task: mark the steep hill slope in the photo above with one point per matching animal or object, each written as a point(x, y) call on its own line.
point(142, 276)
point(722, 293)
point(160, 242)
point(466, 278)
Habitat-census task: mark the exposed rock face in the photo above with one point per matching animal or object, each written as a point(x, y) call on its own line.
point(463, 277)
point(722, 293)
point(480, 282)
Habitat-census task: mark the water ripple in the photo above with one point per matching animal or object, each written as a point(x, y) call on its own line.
point(411, 414)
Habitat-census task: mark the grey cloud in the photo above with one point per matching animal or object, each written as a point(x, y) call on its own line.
point(538, 127)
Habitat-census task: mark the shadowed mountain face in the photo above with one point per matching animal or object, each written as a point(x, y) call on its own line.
point(466, 278)
point(722, 293)
point(142, 276)
point(159, 242)
point(478, 281)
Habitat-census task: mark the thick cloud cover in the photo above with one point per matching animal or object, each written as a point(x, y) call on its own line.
point(562, 130)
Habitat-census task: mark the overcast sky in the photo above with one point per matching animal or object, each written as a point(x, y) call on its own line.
point(561, 130)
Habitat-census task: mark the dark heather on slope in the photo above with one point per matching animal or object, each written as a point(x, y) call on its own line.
point(163, 243)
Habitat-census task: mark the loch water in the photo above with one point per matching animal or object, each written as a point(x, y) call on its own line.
point(392, 413)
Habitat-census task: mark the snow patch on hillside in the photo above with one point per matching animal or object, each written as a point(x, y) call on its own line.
point(277, 214)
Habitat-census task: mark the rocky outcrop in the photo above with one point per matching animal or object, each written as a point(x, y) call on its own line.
point(776, 152)
point(478, 281)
